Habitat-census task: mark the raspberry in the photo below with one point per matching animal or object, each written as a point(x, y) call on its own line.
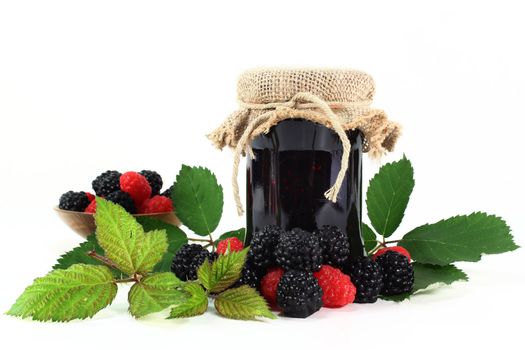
point(92, 207)
point(106, 183)
point(398, 249)
point(91, 197)
point(124, 200)
point(187, 260)
point(136, 185)
point(250, 276)
point(156, 204)
point(167, 192)
point(398, 273)
point(262, 247)
point(74, 201)
point(299, 294)
point(334, 245)
point(298, 250)
point(337, 288)
point(154, 180)
point(367, 278)
point(269, 284)
point(235, 245)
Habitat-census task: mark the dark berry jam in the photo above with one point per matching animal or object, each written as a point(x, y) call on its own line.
point(295, 163)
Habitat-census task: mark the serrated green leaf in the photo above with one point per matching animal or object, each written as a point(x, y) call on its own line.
point(426, 275)
point(198, 199)
point(155, 293)
point(388, 194)
point(240, 234)
point(224, 271)
point(195, 304)
point(243, 303)
point(79, 255)
point(63, 295)
point(204, 274)
point(369, 238)
point(153, 249)
point(176, 239)
point(119, 234)
point(460, 238)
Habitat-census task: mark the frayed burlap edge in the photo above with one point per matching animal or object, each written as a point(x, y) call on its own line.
point(380, 133)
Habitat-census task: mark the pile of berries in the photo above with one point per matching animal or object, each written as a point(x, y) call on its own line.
point(298, 272)
point(137, 192)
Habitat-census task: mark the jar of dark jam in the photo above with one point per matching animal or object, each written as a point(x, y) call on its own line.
point(294, 164)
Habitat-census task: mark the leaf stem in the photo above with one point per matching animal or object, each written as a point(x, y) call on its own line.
point(200, 240)
point(393, 241)
point(212, 243)
point(103, 259)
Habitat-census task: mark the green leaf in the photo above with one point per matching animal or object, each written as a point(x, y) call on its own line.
point(460, 238)
point(198, 199)
point(176, 239)
point(240, 234)
point(195, 304)
point(388, 194)
point(119, 234)
point(153, 249)
point(224, 271)
point(63, 295)
point(369, 238)
point(154, 293)
point(426, 275)
point(79, 255)
point(243, 303)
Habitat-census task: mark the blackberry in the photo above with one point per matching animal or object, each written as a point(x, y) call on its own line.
point(213, 256)
point(250, 276)
point(187, 260)
point(299, 294)
point(154, 180)
point(75, 201)
point(262, 246)
point(167, 192)
point(367, 277)
point(298, 250)
point(335, 246)
point(398, 273)
point(124, 200)
point(106, 183)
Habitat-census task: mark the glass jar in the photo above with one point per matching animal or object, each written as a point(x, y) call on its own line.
point(294, 164)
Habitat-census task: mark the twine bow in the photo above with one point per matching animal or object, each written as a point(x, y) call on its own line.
point(302, 100)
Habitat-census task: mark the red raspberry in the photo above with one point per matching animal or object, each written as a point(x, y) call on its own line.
point(136, 186)
point(235, 245)
point(91, 208)
point(338, 289)
point(396, 248)
point(157, 204)
point(269, 284)
point(91, 196)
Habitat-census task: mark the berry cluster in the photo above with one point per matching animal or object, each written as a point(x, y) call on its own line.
point(299, 271)
point(138, 193)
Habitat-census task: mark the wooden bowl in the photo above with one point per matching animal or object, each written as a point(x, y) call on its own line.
point(84, 223)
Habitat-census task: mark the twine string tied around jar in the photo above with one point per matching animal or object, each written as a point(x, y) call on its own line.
point(300, 101)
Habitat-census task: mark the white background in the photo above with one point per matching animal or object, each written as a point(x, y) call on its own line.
point(87, 86)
